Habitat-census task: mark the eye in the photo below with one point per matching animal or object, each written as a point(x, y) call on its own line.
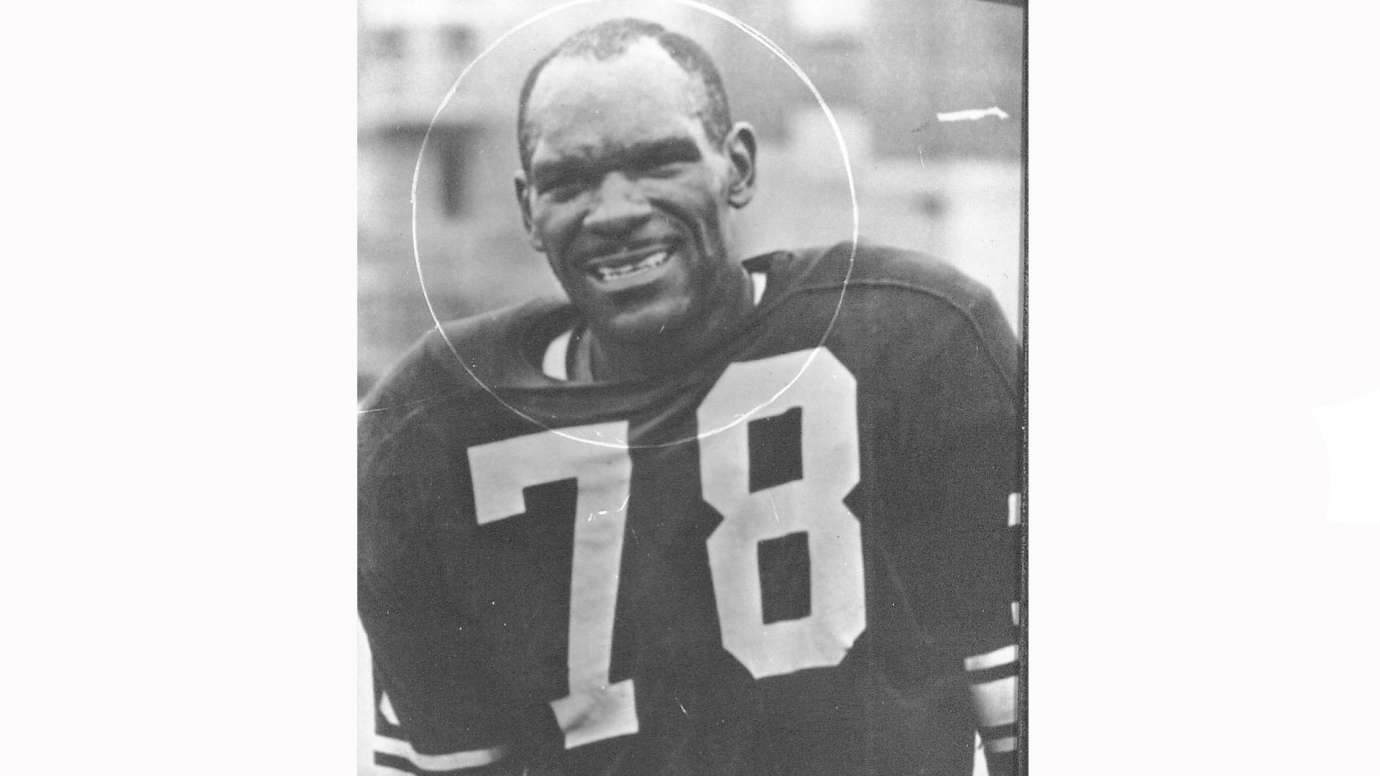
point(663, 169)
point(564, 190)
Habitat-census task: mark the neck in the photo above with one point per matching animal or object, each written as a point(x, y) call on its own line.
point(609, 359)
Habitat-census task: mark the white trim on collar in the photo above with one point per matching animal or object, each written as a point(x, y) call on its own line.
point(553, 361)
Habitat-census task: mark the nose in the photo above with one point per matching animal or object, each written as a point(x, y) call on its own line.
point(618, 206)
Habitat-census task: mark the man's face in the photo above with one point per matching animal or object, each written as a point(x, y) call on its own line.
point(628, 198)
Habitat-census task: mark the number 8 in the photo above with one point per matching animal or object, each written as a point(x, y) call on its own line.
point(826, 393)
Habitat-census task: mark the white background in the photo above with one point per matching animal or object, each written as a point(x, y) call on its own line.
point(178, 318)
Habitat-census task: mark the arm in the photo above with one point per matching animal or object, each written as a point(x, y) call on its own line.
point(986, 547)
point(424, 732)
point(992, 679)
point(979, 487)
point(394, 753)
point(437, 710)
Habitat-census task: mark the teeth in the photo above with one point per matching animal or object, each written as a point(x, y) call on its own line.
point(623, 270)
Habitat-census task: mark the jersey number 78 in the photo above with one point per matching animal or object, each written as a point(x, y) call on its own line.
point(826, 395)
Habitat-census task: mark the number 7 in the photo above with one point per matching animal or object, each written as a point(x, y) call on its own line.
point(595, 709)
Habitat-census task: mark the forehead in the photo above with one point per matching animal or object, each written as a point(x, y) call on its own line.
point(583, 104)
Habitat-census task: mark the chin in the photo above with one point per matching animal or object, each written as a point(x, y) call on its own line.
point(645, 326)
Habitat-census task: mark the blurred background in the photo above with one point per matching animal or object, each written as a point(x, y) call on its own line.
point(894, 72)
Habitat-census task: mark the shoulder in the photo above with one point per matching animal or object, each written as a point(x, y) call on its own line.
point(872, 267)
point(888, 302)
point(459, 353)
point(884, 281)
point(454, 363)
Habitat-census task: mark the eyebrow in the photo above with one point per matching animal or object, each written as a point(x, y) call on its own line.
point(640, 155)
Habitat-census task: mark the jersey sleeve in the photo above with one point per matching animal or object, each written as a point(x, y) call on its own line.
point(980, 465)
point(969, 466)
point(976, 465)
point(438, 710)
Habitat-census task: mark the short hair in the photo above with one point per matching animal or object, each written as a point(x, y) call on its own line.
point(609, 39)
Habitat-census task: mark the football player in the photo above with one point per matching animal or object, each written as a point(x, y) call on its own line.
point(709, 514)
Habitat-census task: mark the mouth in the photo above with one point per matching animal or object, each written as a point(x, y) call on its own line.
point(627, 264)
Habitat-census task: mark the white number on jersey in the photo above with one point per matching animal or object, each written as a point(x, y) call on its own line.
point(595, 709)
point(826, 393)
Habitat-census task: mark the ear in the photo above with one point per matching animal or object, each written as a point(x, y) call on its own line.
point(521, 189)
point(740, 146)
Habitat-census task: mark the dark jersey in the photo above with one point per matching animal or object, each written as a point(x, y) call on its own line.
point(774, 561)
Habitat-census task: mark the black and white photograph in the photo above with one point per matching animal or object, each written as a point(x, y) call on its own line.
point(692, 411)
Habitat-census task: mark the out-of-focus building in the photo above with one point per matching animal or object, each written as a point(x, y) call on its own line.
point(890, 70)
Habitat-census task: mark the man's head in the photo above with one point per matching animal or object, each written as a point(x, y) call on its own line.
point(631, 165)
point(612, 38)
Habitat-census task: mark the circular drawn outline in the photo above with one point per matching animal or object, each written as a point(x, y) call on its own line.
point(847, 167)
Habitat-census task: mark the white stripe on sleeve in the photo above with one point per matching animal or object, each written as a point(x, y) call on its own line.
point(437, 762)
point(995, 702)
point(1004, 744)
point(997, 657)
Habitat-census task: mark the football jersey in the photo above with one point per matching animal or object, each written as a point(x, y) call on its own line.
point(774, 560)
